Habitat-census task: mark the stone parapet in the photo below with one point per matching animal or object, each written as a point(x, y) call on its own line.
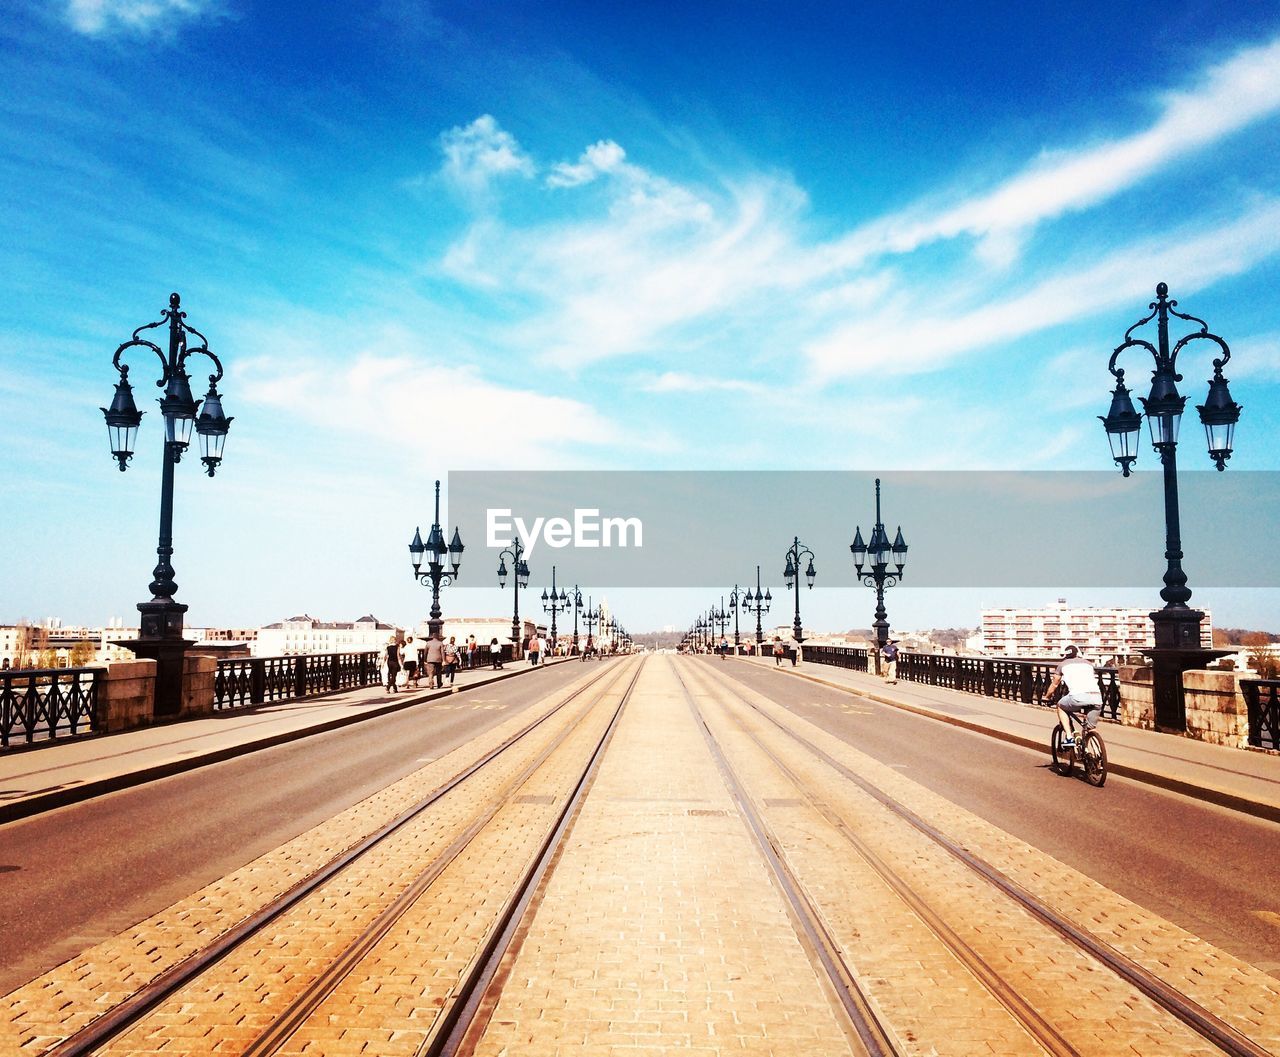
point(1137, 703)
point(198, 672)
point(126, 696)
point(1216, 709)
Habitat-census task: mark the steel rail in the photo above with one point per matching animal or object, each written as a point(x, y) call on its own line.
point(342, 965)
point(1044, 1033)
point(463, 1022)
point(123, 1016)
point(1182, 1006)
point(863, 1023)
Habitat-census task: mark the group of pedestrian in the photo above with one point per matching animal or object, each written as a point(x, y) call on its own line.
point(406, 662)
point(780, 652)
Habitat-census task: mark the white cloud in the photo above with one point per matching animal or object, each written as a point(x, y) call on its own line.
point(96, 17)
point(677, 382)
point(1229, 97)
point(602, 157)
point(366, 388)
point(918, 333)
point(476, 154)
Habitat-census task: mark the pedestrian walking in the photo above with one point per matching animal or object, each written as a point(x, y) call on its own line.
point(495, 654)
point(391, 663)
point(451, 658)
point(795, 652)
point(779, 651)
point(411, 657)
point(724, 648)
point(535, 650)
point(890, 654)
point(434, 657)
point(472, 652)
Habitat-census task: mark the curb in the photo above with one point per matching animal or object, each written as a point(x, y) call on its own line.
point(39, 803)
point(1219, 797)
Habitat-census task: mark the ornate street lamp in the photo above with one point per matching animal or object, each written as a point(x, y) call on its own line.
point(721, 618)
point(879, 554)
point(436, 553)
point(1176, 626)
point(160, 637)
point(554, 603)
point(736, 602)
point(577, 605)
point(521, 569)
point(759, 604)
point(590, 617)
point(791, 574)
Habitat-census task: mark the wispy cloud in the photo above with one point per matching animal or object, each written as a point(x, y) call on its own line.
point(678, 382)
point(101, 17)
point(603, 157)
point(1229, 97)
point(480, 152)
point(631, 262)
point(382, 388)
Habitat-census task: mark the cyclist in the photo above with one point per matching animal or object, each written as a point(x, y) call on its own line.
point(1082, 696)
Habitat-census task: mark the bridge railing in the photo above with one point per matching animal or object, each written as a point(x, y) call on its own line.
point(45, 704)
point(241, 682)
point(1007, 678)
point(1263, 699)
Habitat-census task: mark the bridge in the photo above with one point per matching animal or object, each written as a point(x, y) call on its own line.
point(641, 855)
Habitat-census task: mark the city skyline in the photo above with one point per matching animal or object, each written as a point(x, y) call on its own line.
point(425, 239)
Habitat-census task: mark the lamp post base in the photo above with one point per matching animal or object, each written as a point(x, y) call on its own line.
point(161, 640)
point(1177, 649)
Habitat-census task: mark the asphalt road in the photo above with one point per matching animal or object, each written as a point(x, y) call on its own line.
point(1208, 869)
point(75, 876)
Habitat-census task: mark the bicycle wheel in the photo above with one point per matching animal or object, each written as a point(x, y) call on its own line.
point(1061, 756)
point(1095, 759)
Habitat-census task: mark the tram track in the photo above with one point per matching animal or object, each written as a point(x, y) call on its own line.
point(1184, 1008)
point(104, 1032)
point(863, 1024)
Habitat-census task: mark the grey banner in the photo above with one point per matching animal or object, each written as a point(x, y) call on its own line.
point(963, 529)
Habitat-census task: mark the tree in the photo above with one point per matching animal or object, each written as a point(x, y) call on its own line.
point(82, 654)
point(1261, 658)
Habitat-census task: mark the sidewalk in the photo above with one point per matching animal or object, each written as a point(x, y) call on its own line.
point(1240, 779)
point(75, 769)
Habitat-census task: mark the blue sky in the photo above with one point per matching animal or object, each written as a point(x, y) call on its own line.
point(431, 237)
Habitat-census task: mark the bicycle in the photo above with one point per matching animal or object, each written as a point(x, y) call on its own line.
point(1088, 750)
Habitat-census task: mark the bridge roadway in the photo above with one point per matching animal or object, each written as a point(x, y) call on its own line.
point(642, 857)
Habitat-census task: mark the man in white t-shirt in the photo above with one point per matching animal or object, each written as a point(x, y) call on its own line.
point(1082, 696)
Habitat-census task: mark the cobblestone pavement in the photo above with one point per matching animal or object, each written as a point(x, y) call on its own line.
point(661, 927)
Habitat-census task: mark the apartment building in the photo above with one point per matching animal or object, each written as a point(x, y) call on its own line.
point(1099, 632)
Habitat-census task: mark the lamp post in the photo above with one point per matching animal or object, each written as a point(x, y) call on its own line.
point(436, 575)
point(1176, 626)
point(759, 604)
point(160, 636)
point(879, 553)
point(590, 617)
point(554, 604)
point(791, 574)
point(736, 602)
point(521, 569)
point(577, 605)
point(721, 617)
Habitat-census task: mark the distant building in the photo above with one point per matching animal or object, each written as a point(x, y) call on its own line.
point(1099, 632)
point(305, 634)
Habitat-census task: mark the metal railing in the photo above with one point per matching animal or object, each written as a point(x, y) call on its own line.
point(1006, 678)
point(241, 682)
point(1263, 698)
point(45, 704)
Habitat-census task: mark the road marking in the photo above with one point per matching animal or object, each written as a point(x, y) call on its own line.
point(1269, 916)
